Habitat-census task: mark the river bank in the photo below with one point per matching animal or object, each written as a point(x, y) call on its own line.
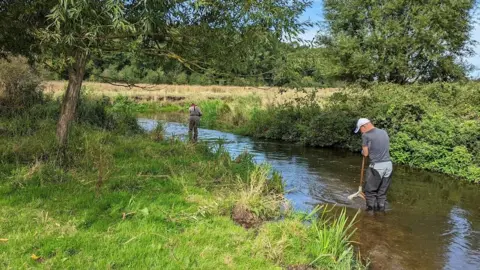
point(434, 127)
point(126, 199)
point(432, 220)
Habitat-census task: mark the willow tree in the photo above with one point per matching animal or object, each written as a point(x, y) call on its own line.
point(75, 30)
point(218, 35)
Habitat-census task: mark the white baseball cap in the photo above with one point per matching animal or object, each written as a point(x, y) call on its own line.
point(361, 122)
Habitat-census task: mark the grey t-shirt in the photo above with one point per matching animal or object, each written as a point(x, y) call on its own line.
point(378, 144)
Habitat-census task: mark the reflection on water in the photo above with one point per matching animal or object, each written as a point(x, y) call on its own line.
point(464, 247)
point(433, 221)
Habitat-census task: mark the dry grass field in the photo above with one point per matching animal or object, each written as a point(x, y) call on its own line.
point(185, 93)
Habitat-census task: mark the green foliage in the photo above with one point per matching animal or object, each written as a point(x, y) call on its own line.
point(228, 115)
point(18, 22)
point(129, 74)
point(203, 35)
point(298, 66)
point(119, 117)
point(211, 110)
point(180, 78)
point(433, 126)
point(40, 174)
point(92, 111)
point(154, 76)
point(324, 244)
point(83, 25)
point(257, 196)
point(199, 79)
point(331, 241)
point(398, 41)
point(20, 86)
point(302, 66)
point(158, 134)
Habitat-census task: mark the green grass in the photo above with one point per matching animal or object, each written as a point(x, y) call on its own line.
point(323, 244)
point(141, 202)
point(147, 107)
point(228, 115)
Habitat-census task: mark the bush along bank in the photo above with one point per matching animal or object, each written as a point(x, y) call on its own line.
point(434, 127)
point(129, 199)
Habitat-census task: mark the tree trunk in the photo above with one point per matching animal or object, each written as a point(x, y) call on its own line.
point(69, 104)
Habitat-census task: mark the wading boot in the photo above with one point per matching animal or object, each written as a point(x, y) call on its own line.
point(369, 210)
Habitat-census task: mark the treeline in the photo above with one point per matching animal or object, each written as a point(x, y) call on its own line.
point(292, 65)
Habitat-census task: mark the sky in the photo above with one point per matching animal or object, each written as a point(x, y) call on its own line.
point(315, 14)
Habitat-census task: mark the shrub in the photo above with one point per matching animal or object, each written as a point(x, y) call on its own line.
point(181, 78)
point(199, 79)
point(92, 111)
point(158, 134)
point(155, 76)
point(129, 74)
point(20, 86)
point(434, 127)
point(119, 117)
point(110, 73)
point(123, 116)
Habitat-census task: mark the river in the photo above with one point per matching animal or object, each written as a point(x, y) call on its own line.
point(432, 221)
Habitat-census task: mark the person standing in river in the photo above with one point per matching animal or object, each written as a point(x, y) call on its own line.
point(194, 121)
point(376, 146)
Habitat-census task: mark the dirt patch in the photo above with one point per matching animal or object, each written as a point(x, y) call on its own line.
point(300, 267)
point(245, 218)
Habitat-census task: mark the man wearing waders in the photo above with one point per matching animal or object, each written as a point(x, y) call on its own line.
point(194, 121)
point(376, 146)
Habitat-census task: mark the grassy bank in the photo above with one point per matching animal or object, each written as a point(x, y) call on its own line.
point(125, 199)
point(434, 127)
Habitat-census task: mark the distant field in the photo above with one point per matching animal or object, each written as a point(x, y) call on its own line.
point(185, 93)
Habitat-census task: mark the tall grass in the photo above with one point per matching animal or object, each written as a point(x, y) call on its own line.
point(132, 200)
point(255, 196)
point(185, 94)
point(323, 244)
point(234, 114)
point(331, 236)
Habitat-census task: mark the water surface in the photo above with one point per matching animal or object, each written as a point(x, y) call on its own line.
point(432, 222)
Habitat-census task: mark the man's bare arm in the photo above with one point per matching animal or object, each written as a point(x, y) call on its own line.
point(365, 150)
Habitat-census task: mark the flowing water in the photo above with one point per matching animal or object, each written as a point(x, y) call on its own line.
point(432, 222)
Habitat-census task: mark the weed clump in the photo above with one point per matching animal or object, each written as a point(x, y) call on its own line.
point(256, 202)
point(158, 134)
point(325, 243)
